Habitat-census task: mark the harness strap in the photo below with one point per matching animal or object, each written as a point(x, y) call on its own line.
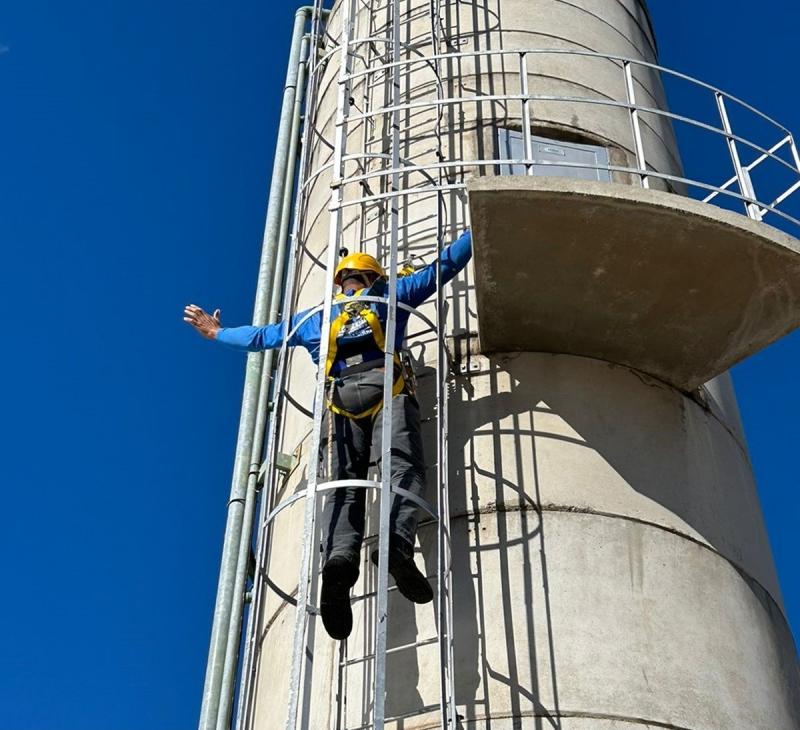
point(378, 335)
point(397, 388)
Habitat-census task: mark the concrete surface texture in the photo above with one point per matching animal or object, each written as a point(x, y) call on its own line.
point(621, 274)
point(611, 567)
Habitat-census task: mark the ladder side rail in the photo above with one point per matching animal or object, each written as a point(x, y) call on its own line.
point(742, 177)
point(339, 709)
point(309, 532)
point(381, 603)
point(445, 539)
point(368, 126)
point(444, 466)
point(443, 573)
point(311, 636)
point(445, 470)
point(270, 485)
point(443, 473)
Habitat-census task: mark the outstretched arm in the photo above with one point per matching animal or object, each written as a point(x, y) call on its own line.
point(455, 256)
point(246, 338)
point(417, 287)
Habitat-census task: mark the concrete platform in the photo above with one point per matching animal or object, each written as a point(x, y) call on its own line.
point(667, 285)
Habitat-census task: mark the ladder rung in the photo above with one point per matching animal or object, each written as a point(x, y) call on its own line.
point(393, 650)
point(420, 711)
point(345, 483)
point(390, 588)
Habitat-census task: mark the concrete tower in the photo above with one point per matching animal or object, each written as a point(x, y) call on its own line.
point(611, 568)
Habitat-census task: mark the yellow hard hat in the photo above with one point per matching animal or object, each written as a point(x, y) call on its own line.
point(358, 262)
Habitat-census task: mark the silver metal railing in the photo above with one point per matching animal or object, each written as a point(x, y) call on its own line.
point(771, 150)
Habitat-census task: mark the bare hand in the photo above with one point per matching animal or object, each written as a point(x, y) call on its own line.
point(206, 324)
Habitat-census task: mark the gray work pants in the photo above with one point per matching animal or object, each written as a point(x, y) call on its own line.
point(348, 446)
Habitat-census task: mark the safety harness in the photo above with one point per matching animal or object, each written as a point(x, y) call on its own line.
point(350, 311)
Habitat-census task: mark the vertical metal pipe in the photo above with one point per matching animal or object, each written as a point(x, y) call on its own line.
point(278, 293)
point(745, 184)
point(247, 421)
point(235, 627)
point(309, 70)
point(630, 90)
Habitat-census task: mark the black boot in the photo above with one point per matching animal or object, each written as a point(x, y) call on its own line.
point(410, 581)
point(338, 576)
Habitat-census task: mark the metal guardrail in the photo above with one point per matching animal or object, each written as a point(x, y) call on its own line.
point(772, 151)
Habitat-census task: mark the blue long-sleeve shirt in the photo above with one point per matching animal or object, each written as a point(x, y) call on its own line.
point(412, 290)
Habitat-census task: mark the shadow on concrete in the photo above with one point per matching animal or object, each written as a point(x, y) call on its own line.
point(604, 423)
point(523, 682)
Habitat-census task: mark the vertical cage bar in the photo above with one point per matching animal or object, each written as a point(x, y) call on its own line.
point(381, 599)
point(638, 144)
point(307, 562)
point(340, 701)
point(526, 113)
point(742, 177)
point(367, 124)
point(442, 629)
point(443, 547)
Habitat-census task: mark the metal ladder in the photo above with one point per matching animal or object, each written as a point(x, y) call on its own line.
point(387, 203)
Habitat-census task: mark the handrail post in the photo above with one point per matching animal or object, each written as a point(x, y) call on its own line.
point(745, 183)
point(526, 112)
point(638, 144)
point(795, 155)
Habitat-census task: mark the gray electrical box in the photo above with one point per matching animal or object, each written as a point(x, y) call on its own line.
point(549, 156)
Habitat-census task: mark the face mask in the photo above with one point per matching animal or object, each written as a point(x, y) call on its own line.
point(363, 279)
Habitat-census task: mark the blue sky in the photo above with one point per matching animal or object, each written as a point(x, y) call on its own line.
point(136, 149)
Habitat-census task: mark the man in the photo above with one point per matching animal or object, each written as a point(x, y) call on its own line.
point(351, 427)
